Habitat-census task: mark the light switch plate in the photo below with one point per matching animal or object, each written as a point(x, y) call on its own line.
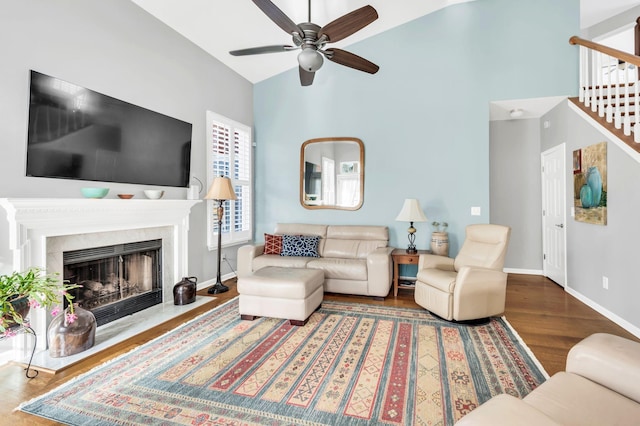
point(475, 211)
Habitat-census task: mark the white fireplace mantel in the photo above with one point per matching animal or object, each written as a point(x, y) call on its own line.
point(32, 220)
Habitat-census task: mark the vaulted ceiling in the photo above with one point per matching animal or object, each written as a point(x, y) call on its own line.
point(218, 26)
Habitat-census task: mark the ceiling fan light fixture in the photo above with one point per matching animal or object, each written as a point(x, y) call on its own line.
point(310, 60)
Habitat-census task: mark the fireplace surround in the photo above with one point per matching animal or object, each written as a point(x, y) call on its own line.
point(41, 230)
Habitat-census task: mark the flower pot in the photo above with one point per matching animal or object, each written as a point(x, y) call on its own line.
point(440, 243)
point(21, 306)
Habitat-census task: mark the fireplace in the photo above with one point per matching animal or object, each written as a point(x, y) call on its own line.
point(42, 230)
point(117, 280)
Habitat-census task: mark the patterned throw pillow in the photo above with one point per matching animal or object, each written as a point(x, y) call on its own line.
point(300, 245)
point(272, 244)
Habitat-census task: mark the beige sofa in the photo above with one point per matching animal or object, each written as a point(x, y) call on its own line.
point(355, 259)
point(601, 386)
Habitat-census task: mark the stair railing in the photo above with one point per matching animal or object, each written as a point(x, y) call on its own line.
point(609, 85)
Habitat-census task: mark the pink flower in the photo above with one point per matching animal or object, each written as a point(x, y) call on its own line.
point(33, 304)
point(70, 318)
point(9, 333)
point(55, 311)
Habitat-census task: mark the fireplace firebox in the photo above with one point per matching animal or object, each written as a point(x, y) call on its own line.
point(116, 280)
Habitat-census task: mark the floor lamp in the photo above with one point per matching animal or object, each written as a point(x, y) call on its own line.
point(220, 191)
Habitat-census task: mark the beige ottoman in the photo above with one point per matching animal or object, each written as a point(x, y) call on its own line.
point(287, 293)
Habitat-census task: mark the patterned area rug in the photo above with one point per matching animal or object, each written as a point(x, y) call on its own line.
point(352, 364)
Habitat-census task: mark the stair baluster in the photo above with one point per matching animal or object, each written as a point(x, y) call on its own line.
point(594, 81)
point(600, 78)
point(583, 72)
point(618, 109)
point(627, 102)
point(636, 127)
point(609, 107)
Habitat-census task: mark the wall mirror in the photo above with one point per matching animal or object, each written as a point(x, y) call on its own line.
point(332, 173)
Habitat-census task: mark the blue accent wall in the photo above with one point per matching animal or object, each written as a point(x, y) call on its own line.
point(423, 118)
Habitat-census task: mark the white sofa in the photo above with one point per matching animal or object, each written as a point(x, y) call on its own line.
point(355, 259)
point(601, 386)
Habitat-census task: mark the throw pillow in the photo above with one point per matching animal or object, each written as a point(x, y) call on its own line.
point(272, 244)
point(300, 245)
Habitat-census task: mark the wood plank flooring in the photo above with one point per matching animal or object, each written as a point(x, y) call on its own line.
point(548, 319)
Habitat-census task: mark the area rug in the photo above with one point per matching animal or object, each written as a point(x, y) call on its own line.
point(351, 364)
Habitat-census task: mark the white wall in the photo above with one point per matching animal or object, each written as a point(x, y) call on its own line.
point(115, 48)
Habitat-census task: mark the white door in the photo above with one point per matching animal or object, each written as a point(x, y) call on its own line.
point(554, 243)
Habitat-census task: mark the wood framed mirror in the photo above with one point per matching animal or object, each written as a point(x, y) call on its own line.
point(332, 173)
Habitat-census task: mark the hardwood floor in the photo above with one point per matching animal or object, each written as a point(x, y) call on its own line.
point(548, 319)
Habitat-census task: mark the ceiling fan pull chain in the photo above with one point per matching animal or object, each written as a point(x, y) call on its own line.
point(309, 11)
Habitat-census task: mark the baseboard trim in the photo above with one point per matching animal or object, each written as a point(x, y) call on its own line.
point(600, 309)
point(209, 283)
point(523, 271)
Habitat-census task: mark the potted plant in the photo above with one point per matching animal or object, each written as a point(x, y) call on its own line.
point(440, 239)
point(21, 291)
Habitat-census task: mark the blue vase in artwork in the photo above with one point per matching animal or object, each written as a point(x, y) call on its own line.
point(594, 180)
point(586, 196)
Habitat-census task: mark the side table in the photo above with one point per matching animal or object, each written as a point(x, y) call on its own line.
point(401, 257)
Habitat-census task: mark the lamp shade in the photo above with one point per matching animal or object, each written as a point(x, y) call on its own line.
point(411, 212)
point(221, 189)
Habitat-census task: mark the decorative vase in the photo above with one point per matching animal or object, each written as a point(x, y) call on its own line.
point(594, 180)
point(586, 196)
point(71, 338)
point(440, 243)
point(21, 306)
point(185, 291)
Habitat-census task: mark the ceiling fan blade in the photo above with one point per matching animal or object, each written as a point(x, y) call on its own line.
point(278, 16)
point(262, 49)
point(351, 60)
point(306, 77)
point(348, 24)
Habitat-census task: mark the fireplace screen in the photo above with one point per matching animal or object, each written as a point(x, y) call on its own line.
point(116, 280)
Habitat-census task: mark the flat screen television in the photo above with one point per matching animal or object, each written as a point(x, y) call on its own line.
point(76, 133)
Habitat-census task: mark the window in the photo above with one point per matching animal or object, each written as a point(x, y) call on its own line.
point(229, 154)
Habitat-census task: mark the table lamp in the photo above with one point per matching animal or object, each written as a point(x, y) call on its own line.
point(411, 212)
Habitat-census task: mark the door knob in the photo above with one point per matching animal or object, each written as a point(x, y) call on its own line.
point(560, 226)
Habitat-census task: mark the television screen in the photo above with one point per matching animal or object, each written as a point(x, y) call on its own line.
point(76, 133)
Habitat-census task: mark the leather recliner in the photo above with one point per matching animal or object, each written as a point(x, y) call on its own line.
point(599, 387)
point(471, 286)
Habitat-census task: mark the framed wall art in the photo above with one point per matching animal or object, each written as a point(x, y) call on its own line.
point(590, 184)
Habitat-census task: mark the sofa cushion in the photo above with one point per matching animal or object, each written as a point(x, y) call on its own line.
point(570, 399)
point(272, 244)
point(281, 261)
point(300, 245)
point(346, 269)
point(350, 249)
point(354, 242)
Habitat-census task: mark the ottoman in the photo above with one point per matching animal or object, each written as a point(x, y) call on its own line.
point(287, 293)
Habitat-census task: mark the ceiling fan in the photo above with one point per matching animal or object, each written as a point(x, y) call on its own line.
point(312, 39)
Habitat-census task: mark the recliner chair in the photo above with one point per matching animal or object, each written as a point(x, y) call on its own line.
point(473, 285)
